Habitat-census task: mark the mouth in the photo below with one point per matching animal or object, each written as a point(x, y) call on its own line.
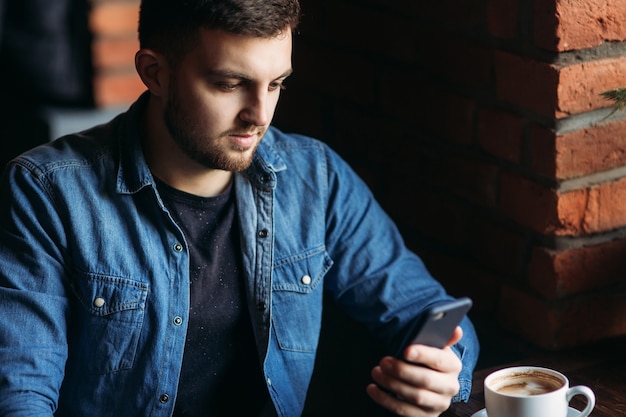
point(243, 140)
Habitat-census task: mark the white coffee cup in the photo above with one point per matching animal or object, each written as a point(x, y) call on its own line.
point(531, 391)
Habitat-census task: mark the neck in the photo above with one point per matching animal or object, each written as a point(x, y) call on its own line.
point(210, 184)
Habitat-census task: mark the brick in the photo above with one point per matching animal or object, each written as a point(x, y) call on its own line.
point(577, 25)
point(566, 323)
point(542, 149)
point(598, 148)
point(595, 149)
point(593, 210)
point(541, 208)
point(111, 53)
point(560, 274)
point(580, 85)
point(117, 89)
point(500, 134)
point(502, 18)
point(605, 209)
point(529, 203)
point(573, 213)
point(527, 83)
point(114, 18)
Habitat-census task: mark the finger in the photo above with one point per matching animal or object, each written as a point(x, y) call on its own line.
point(414, 406)
point(392, 403)
point(402, 378)
point(387, 401)
point(443, 360)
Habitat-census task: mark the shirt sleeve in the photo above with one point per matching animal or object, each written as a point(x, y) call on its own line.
point(375, 278)
point(33, 302)
point(467, 350)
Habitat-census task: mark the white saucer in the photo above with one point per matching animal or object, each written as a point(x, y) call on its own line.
point(571, 412)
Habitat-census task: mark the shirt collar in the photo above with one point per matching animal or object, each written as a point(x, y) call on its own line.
point(133, 172)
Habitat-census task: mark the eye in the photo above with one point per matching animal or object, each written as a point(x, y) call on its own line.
point(277, 86)
point(227, 86)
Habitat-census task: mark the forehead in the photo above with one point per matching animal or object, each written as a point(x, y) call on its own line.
point(256, 57)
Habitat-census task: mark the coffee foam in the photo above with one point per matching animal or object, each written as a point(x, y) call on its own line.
point(526, 383)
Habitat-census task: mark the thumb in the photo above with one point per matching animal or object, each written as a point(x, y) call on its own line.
point(456, 336)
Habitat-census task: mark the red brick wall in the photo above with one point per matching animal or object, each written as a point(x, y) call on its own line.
point(480, 127)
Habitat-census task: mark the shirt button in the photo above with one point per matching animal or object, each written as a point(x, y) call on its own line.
point(263, 233)
point(178, 320)
point(178, 247)
point(306, 280)
point(269, 382)
point(98, 302)
point(164, 398)
point(261, 306)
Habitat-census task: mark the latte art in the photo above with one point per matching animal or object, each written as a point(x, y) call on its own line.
point(526, 383)
point(526, 388)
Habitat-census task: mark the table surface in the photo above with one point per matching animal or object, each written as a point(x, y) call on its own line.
point(602, 367)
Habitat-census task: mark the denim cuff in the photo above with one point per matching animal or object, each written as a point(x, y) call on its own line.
point(465, 391)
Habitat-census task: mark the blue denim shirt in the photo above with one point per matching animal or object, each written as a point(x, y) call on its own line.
point(94, 277)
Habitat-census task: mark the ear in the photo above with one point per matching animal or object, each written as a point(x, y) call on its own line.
point(152, 69)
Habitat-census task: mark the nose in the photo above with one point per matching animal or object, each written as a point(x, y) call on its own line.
point(257, 110)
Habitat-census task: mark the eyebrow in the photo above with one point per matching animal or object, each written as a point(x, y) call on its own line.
point(243, 77)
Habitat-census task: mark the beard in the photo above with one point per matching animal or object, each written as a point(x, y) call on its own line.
point(190, 137)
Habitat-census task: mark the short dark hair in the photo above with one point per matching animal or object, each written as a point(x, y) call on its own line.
point(172, 26)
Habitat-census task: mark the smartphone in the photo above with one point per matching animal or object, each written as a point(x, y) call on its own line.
point(438, 324)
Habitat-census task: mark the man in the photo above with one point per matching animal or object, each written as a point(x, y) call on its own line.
point(173, 261)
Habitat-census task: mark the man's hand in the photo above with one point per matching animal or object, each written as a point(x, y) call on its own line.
point(414, 390)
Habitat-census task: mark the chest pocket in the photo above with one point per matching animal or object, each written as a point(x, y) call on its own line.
point(111, 321)
point(297, 289)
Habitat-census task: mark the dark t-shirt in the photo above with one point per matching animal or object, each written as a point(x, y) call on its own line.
point(221, 375)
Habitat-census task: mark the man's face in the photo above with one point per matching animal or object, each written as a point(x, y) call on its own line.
point(221, 97)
